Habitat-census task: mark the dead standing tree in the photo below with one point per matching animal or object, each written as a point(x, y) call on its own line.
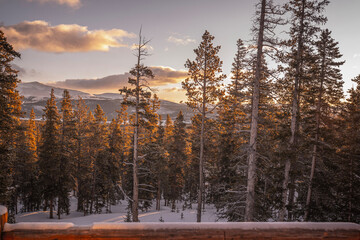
point(269, 17)
point(137, 97)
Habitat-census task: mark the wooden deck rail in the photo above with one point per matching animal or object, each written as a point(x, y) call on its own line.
point(182, 231)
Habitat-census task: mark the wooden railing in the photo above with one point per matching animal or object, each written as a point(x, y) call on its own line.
point(181, 231)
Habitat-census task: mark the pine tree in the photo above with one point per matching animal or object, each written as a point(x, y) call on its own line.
point(178, 156)
point(123, 147)
point(99, 144)
point(117, 150)
point(347, 174)
point(305, 19)
point(88, 169)
point(203, 92)
point(10, 111)
point(68, 148)
point(27, 166)
point(140, 94)
point(81, 157)
point(50, 154)
point(229, 182)
point(328, 92)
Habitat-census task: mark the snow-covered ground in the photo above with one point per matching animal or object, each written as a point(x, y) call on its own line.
point(119, 215)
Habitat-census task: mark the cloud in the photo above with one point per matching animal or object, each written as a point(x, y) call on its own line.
point(181, 40)
point(40, 35)
point(167, 75)
point(163, 76)
point(70, 3)
point(356, 55)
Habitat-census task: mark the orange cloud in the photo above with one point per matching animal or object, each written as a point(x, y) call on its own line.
point(70, 3)
point(40, 35)
point(167, 75)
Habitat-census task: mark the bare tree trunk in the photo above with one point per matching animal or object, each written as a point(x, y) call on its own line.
point(51, 209)
point(251, 179)
point(313, 161)
point(80, 203)
point(135, 202)
point(351, 190)
point(308, 197)
point(158, 195)
point(291, 199)
point(58, 208)
point(294, 114)
point(202, 142)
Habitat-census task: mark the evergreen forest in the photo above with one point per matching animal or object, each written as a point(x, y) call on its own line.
point(281, 142)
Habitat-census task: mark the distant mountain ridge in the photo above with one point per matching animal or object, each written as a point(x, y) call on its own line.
point(35, 91)
point(36, 94)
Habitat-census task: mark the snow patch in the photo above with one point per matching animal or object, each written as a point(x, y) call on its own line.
point(3, 210)
point(37, 226)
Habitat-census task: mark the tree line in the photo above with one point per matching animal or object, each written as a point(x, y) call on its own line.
point(282, 143)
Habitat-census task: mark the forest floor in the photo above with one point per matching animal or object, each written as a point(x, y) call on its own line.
point(119, 212)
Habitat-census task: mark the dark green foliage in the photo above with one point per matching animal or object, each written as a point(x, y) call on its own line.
point(50, 154)
point(177, 159)
point(27, 169)
point(10, 111)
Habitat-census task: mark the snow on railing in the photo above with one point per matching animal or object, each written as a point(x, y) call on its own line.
point(244, 230)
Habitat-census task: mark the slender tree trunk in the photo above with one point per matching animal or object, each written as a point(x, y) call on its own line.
point(135, 204)
point(201, 164)
point(80, 204)
point(173, 205)
point(351, 190)
point(251, 179)
point(294, 114)
point(135, 176)
point(51, 209)
point(158, 195)
point(58, 208)
point(291, 199)
point(308, 197)
point(313, 160)
point(202, 143)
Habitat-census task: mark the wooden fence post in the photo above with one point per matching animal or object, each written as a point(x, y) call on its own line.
point(3, 218)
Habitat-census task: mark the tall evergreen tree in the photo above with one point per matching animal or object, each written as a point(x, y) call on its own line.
point(306, 16)
point(50, 154)
point(348, 187)
point(81, 156)
point(99, 144)
point(229, 192)
point(177, 159)
point(203, 92)
point(27, 166)
point(328, 93)
point(68, 148)
point(10, 111)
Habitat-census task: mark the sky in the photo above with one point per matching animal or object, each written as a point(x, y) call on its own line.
point(87, 44)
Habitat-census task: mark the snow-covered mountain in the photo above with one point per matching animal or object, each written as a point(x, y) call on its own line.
point(35, 91)
point(35, 96)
